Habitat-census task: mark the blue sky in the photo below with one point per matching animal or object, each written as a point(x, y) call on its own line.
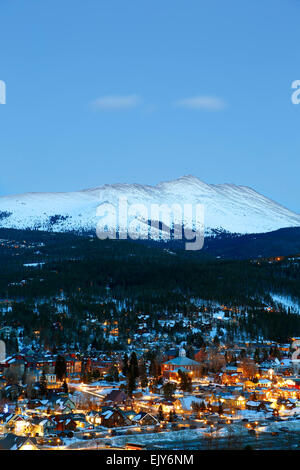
point(105, 91)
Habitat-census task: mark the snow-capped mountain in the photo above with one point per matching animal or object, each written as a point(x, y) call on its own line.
point(236, 209)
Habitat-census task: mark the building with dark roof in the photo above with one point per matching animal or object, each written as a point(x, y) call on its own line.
point(13, 442)
point(171, 368)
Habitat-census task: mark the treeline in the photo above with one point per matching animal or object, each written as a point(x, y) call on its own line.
point(117, 280)
point(147, 274)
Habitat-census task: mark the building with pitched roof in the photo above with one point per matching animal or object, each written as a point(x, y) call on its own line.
point(170, 368)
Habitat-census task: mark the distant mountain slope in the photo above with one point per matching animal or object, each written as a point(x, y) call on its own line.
point(235, 209)
point(282, 242)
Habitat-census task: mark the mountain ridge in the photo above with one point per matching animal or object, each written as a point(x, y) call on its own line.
point(227, 207)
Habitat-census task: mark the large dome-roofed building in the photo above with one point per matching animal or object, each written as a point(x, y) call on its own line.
point(170, 368)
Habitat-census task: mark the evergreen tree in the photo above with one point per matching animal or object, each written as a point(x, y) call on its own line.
point(60, 368)
point(65, 387)
point(113, 374)
point(133, 365)
point(43, 384)
point(131, 382)
point(154, 369)
point(143, 375)
point(168, 390)
point(257, 356)
point(160, 415)
point(83, 373)
point(125, 367)
point(171, 416)
point(185, 381)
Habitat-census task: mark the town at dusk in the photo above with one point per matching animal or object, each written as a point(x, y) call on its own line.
point(149, 230)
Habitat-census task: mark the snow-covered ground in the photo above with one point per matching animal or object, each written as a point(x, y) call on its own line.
point(144, 439)
point(236, 209)
point(286, 302)
point(277, 426)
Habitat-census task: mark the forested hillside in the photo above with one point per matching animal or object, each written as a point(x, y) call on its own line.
point(117, 280)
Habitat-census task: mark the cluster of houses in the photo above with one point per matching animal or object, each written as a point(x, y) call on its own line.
point(237, 389)
point(49, 422)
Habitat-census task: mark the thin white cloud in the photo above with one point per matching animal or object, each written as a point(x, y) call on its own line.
point(115, 102)
point(202, 102)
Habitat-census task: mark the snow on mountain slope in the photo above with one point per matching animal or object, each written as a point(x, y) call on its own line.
point(236, 209)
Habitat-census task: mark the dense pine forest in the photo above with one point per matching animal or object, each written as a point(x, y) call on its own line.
point(119, 280)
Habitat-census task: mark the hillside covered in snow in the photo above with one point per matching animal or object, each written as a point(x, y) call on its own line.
point(227, 207)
